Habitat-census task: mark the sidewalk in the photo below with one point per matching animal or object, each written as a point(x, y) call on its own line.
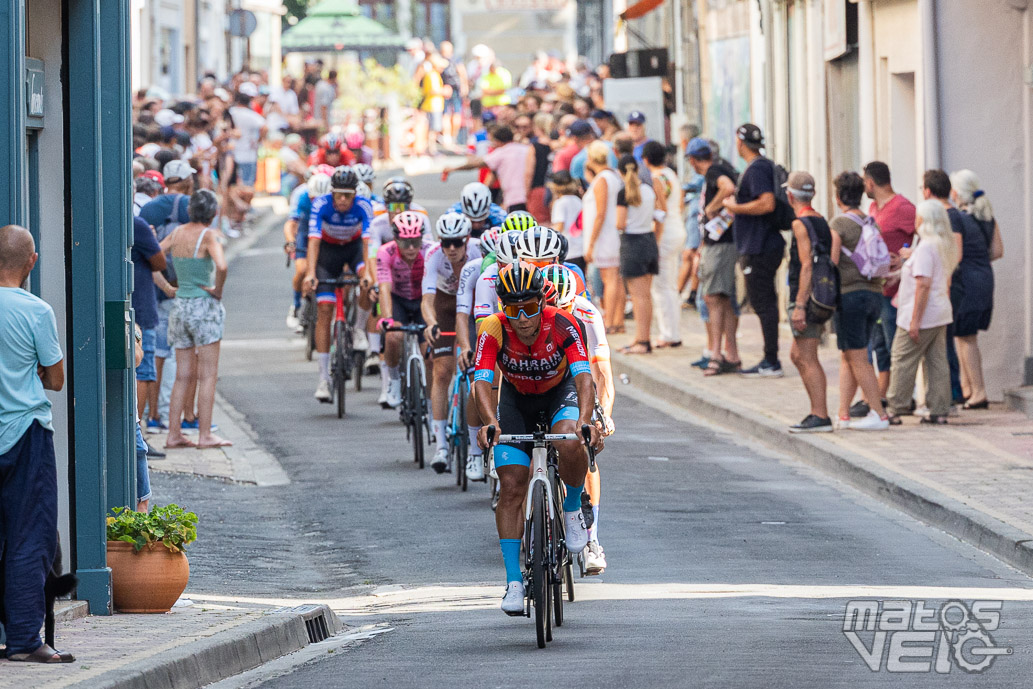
point(188, 647)
point(972, 478)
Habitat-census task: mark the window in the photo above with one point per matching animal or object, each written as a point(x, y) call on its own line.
point(430, 18)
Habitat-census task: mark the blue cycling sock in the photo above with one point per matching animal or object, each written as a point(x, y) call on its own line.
point(595, 524)
point(572, 503)
point(511, 558)
point(297, 300)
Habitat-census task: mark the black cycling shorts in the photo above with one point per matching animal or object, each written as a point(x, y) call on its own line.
point(519, 414)
point(332, 260)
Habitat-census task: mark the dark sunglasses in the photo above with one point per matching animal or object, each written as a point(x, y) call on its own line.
point(410, 243)
point(452, 243)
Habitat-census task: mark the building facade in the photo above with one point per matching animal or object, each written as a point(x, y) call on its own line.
point(65, 150)
point(919, 84)
point(176, 42)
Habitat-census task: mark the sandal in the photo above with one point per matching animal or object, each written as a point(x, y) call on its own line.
point(731, 366)
point(638, 348)
point(715, 367)
point(615, 330)
point(985, 404)
point(43, 654)
point(665, 345)
point(934, 420)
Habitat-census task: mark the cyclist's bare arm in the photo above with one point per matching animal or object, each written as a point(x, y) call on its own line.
point(290, 230)
point(385, 300)
point(602, 373)
point(586, 406)
point(313, 261)
point(463, 338)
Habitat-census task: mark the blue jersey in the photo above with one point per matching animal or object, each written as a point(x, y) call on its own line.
point(301, 207)
point(339, 228)
point(496, 214)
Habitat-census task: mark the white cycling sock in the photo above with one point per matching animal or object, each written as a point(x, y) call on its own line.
point(475, 449)
point(324, 366)
point(439, 432)
point(361, 317)
point(385, 376)
point(374, 341)
point(393, 372)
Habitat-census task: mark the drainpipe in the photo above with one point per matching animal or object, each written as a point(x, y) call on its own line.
point(931, 84)
point(866, 81)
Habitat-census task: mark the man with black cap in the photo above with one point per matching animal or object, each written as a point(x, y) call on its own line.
point(606, 123)
point(759, 242)
point(584, 134)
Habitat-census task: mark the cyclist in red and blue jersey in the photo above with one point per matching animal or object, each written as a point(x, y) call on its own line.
point(541, 353)
point(336, 225)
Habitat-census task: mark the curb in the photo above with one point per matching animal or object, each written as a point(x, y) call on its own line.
point(1005, 542)
point(224, 655)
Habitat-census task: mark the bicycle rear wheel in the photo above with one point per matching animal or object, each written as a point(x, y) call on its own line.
point(339, 364)
point(416, 412)
point(463, 438)
point(358, 362)
point(309, 314)
point(540, 565)
point(561, 557)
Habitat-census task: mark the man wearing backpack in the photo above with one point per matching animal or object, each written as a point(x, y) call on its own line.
point(813, 292)
point(895, 216)
point(759, 241)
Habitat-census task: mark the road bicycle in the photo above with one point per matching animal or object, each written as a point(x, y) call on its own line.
point(548, 567)
point(307, 319)
point(456, 431)
point(345, 362)
point(415, 410)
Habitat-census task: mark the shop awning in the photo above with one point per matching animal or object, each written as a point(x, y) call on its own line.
point(640, 9)
point(335, 25)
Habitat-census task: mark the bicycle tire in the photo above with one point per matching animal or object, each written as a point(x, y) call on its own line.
point(568, 580)
point(463, 448)
point(340, 387)
point(358, 363)
point(416, 402)
point(310, 328)
point(561, 557)
point(539, 564)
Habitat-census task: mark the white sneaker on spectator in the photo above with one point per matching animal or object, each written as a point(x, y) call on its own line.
point(872, 422)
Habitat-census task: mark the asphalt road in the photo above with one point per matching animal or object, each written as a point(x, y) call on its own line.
point(730, 566)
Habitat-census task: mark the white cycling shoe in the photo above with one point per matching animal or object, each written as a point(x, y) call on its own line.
point(360, 343)
point(595, 558)
point(575, 531)
point(323, 392)
point(513, 601)
point(372, 363)
point(475, 467)
point(292, 319)
point(394, 394)
point(440, 461)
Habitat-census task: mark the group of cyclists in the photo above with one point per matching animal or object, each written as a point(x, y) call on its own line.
point(494, 294)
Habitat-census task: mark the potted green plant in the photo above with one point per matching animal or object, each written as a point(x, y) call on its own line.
point(149, 569)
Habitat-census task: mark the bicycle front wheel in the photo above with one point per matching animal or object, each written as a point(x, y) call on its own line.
point(309, 314)
point(540, 564)
point(340, 362)
point(416, 412)
point(463, 437)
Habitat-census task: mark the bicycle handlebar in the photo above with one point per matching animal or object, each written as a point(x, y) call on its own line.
point(414, 328)
point(586, 437)
point(341, 282)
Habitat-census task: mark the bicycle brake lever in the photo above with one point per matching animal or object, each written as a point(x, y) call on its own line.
point(586, 433)
point(491, 436)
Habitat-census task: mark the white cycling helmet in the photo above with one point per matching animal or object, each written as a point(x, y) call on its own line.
point(365, 172)
point(565, 282)
point(476, 201)
point(362, 191)
point(453, 226)
point(539, 244)
point(318, 185)
point(490, 241)
point(507, 251)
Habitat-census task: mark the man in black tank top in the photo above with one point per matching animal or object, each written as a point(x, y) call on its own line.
point(807, 336)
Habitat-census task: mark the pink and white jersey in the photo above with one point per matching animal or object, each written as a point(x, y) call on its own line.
point(440, 276)
point(467, 284)
point(380, 231)
point(477, 290)
point(405, 280)
point(595, 330)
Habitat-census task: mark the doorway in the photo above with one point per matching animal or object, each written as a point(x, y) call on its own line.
point(903, 133)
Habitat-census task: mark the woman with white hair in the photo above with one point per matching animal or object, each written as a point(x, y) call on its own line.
point(923, 313)
point(972, 288)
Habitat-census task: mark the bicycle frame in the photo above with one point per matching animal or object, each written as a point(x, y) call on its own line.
point(539, 463)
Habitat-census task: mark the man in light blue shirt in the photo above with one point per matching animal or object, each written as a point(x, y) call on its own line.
point(30, 361)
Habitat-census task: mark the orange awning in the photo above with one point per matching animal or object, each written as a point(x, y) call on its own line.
point(640, 9)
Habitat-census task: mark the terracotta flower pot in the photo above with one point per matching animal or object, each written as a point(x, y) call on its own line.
point(147, 581)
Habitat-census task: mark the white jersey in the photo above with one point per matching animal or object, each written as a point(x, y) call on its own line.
point(485, 300)
point(380, 231)
point(595, 330)
point(438, 273)
point(467, 283)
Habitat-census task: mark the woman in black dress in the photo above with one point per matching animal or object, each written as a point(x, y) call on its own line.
point(972, 287)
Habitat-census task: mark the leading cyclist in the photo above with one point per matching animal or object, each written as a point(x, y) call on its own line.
point(545, 368)
point(336, 225)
